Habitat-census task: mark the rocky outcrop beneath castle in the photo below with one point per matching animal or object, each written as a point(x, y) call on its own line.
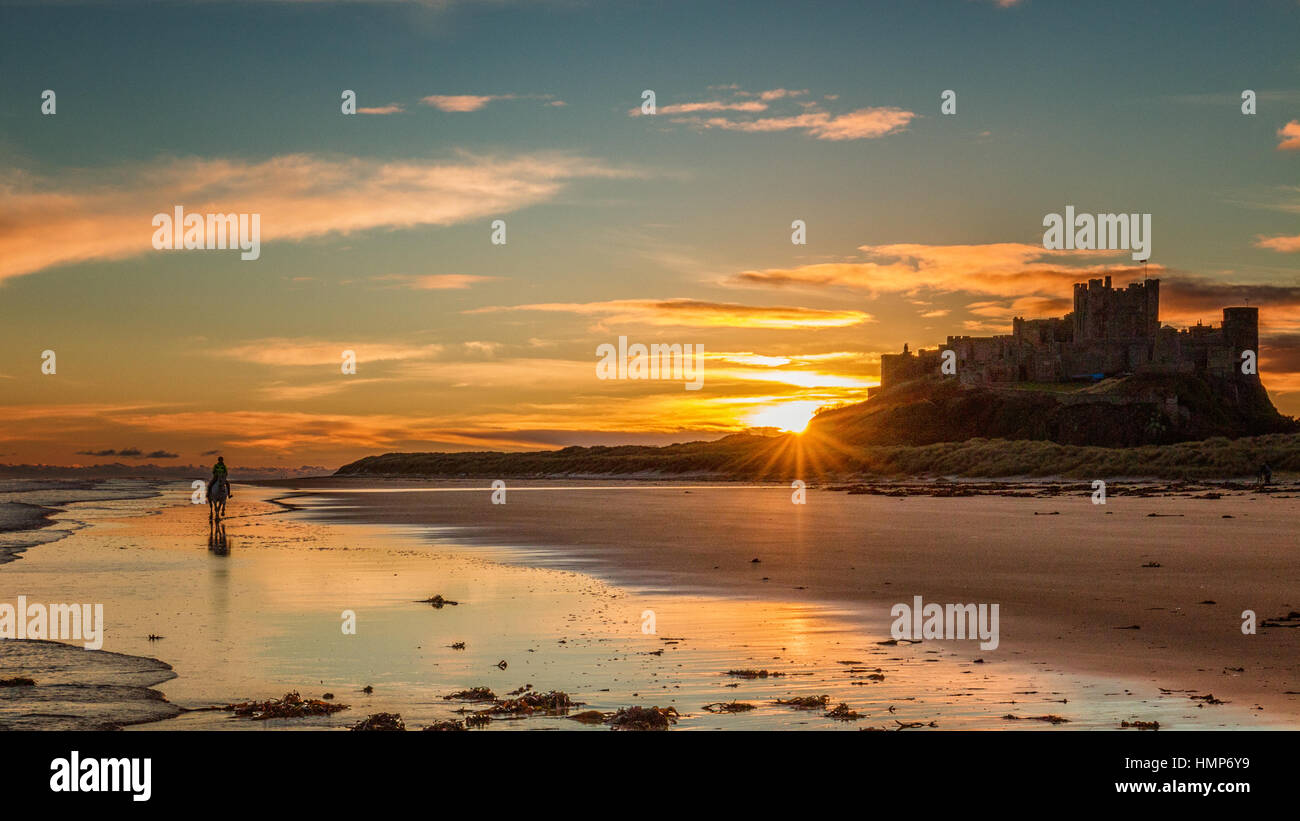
point(1146, 409)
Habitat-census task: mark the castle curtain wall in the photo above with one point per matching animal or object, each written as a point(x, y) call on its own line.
point(1110, 332)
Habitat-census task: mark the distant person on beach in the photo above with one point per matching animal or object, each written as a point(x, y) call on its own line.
point(1265, 475)
point(219, 469)
point(218, 490)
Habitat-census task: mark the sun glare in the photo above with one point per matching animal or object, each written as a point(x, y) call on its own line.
point(789, 416)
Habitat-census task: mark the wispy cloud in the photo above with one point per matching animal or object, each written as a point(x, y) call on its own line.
point(734, 108)
point(280, 351)
point(863, 124)
point(1290, 136)
point(434, 282)
point(87, 216)
point(461, 103)
point(706, 105)
point(285, 392)
point(1282, 244)
point(1025, 280)
point(695, 313)
point(391, 108)
point(781, 93)
point(1007, 269)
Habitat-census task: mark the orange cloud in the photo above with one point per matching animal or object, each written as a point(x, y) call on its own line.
point(863, 124)
point(283, 352)
point(391, 108)
point(1032, 307)
point(462, 102)
point(1008, 269)
point(696, 313)
point(703, 105)
point(1027, 280)
point(107, 215)
point(779, 93)
point(1290, 136)
point(1281, 244)
point(435, 282)
point(282, 392)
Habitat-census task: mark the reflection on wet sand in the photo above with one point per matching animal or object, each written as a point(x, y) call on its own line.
point(217, 541)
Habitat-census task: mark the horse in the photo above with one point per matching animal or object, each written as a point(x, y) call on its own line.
point(218, 493)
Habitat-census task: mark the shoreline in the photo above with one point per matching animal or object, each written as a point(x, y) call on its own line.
point(26, 523)
point(80, 689)
point(18, 518)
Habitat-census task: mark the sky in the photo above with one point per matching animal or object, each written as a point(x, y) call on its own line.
point(376, 228)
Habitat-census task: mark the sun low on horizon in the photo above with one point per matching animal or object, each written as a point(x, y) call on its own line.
point(790, 417)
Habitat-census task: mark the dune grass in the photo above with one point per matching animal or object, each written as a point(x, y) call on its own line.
point(787, 457)
point(1217, 458)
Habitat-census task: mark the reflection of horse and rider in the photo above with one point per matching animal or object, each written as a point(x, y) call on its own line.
point(218, 491)
point(217, 541)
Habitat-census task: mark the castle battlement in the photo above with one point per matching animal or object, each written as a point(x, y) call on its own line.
point(1110, 332)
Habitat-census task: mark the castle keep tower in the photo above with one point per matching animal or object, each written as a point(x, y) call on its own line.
point(1102, 313)
point(1240, 333)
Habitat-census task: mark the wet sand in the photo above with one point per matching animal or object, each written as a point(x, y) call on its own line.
point(79, 689)
point(1069, 575)
point(27, 508)
point(556, 583)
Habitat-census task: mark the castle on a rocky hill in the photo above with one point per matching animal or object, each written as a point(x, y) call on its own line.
point(1110, 332)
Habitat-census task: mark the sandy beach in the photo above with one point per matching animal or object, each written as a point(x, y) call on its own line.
point(1076, 581)
point(553, 589)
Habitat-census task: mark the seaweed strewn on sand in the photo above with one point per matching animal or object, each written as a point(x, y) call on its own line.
point(520, 703)
point(438, 602)
point(472, 694)
point(643, 718)
point(555, 702)
point(446, 727)
point(1140, 725)
point(291, 706)
point(804, 702)
point(380, 722)
point(842, 712)
point(753, 674)
point(728, 707)
point(1050, 719)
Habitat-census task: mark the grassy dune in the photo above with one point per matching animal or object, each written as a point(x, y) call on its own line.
point(810, 456)
point(1217, 458)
